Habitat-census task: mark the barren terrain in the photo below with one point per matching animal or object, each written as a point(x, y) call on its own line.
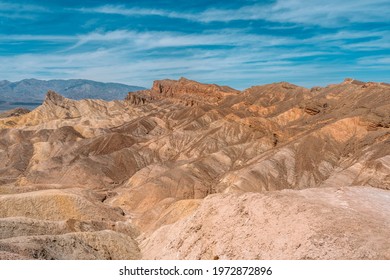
point(196, 171)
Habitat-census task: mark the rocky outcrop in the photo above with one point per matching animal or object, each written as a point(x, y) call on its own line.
point(99, 245)
point(184, 91)
point(306, 224)
point(139, 97)
point(14, 113)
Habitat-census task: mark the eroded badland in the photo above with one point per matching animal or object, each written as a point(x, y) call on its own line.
point(195, 171)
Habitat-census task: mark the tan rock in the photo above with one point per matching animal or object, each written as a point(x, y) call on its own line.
point(174, 166)
point(331, 223)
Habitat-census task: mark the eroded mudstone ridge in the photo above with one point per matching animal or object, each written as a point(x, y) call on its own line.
point(187, 170)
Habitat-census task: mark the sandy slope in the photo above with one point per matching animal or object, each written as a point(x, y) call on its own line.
point(190, 170)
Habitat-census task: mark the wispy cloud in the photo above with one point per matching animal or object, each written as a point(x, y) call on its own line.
point(217, 66)
point(108, 65)
point(330, 13)
point(306, 42)
point(20, 11)
point(315, 12)
point(378, 60)
point(160, 39)
point(124, 11)
point(120, 56)
point(251, 58)
point(12, 6)
point(352, 40)
point(347, 40)
point(29, 37)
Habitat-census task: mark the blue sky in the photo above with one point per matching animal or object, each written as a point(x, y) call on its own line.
point(237, 43)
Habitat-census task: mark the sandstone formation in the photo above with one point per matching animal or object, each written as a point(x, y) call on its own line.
point(184, 91)
point(194, 171)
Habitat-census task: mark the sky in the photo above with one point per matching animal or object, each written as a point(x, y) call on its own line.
point(235, 43)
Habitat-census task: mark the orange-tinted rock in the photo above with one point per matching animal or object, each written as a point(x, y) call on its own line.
point(185, 91)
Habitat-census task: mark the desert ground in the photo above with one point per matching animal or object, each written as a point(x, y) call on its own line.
point(186, 170)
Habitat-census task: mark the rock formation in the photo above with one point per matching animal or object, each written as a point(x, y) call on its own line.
point(185, 91)
point(14, 112)
point(195, 171)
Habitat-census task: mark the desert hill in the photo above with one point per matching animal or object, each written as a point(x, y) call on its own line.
point(197, 171)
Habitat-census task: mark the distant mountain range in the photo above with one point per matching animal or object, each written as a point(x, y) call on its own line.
point(33, 90)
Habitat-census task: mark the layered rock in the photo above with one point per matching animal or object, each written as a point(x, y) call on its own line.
point(150, 166)
point(14, 113)
point(184, 91)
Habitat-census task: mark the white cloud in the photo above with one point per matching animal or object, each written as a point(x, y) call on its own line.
point(8, 6)
point(377, 60)
point(20, 11)
point(382, 43)
point(115, 65)
point(122, 10)
point(228, 56)
point(127, 64)
point(352, 40)
point(28, 37)
point(158, 39)
point(140, 57)
point(314, 12)
point(330, 13)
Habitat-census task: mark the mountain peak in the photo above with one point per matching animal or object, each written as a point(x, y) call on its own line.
point(287, 85)
point(54, 98)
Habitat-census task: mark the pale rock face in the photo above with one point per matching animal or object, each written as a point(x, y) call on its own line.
point(307, 224)
point(195, 171)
